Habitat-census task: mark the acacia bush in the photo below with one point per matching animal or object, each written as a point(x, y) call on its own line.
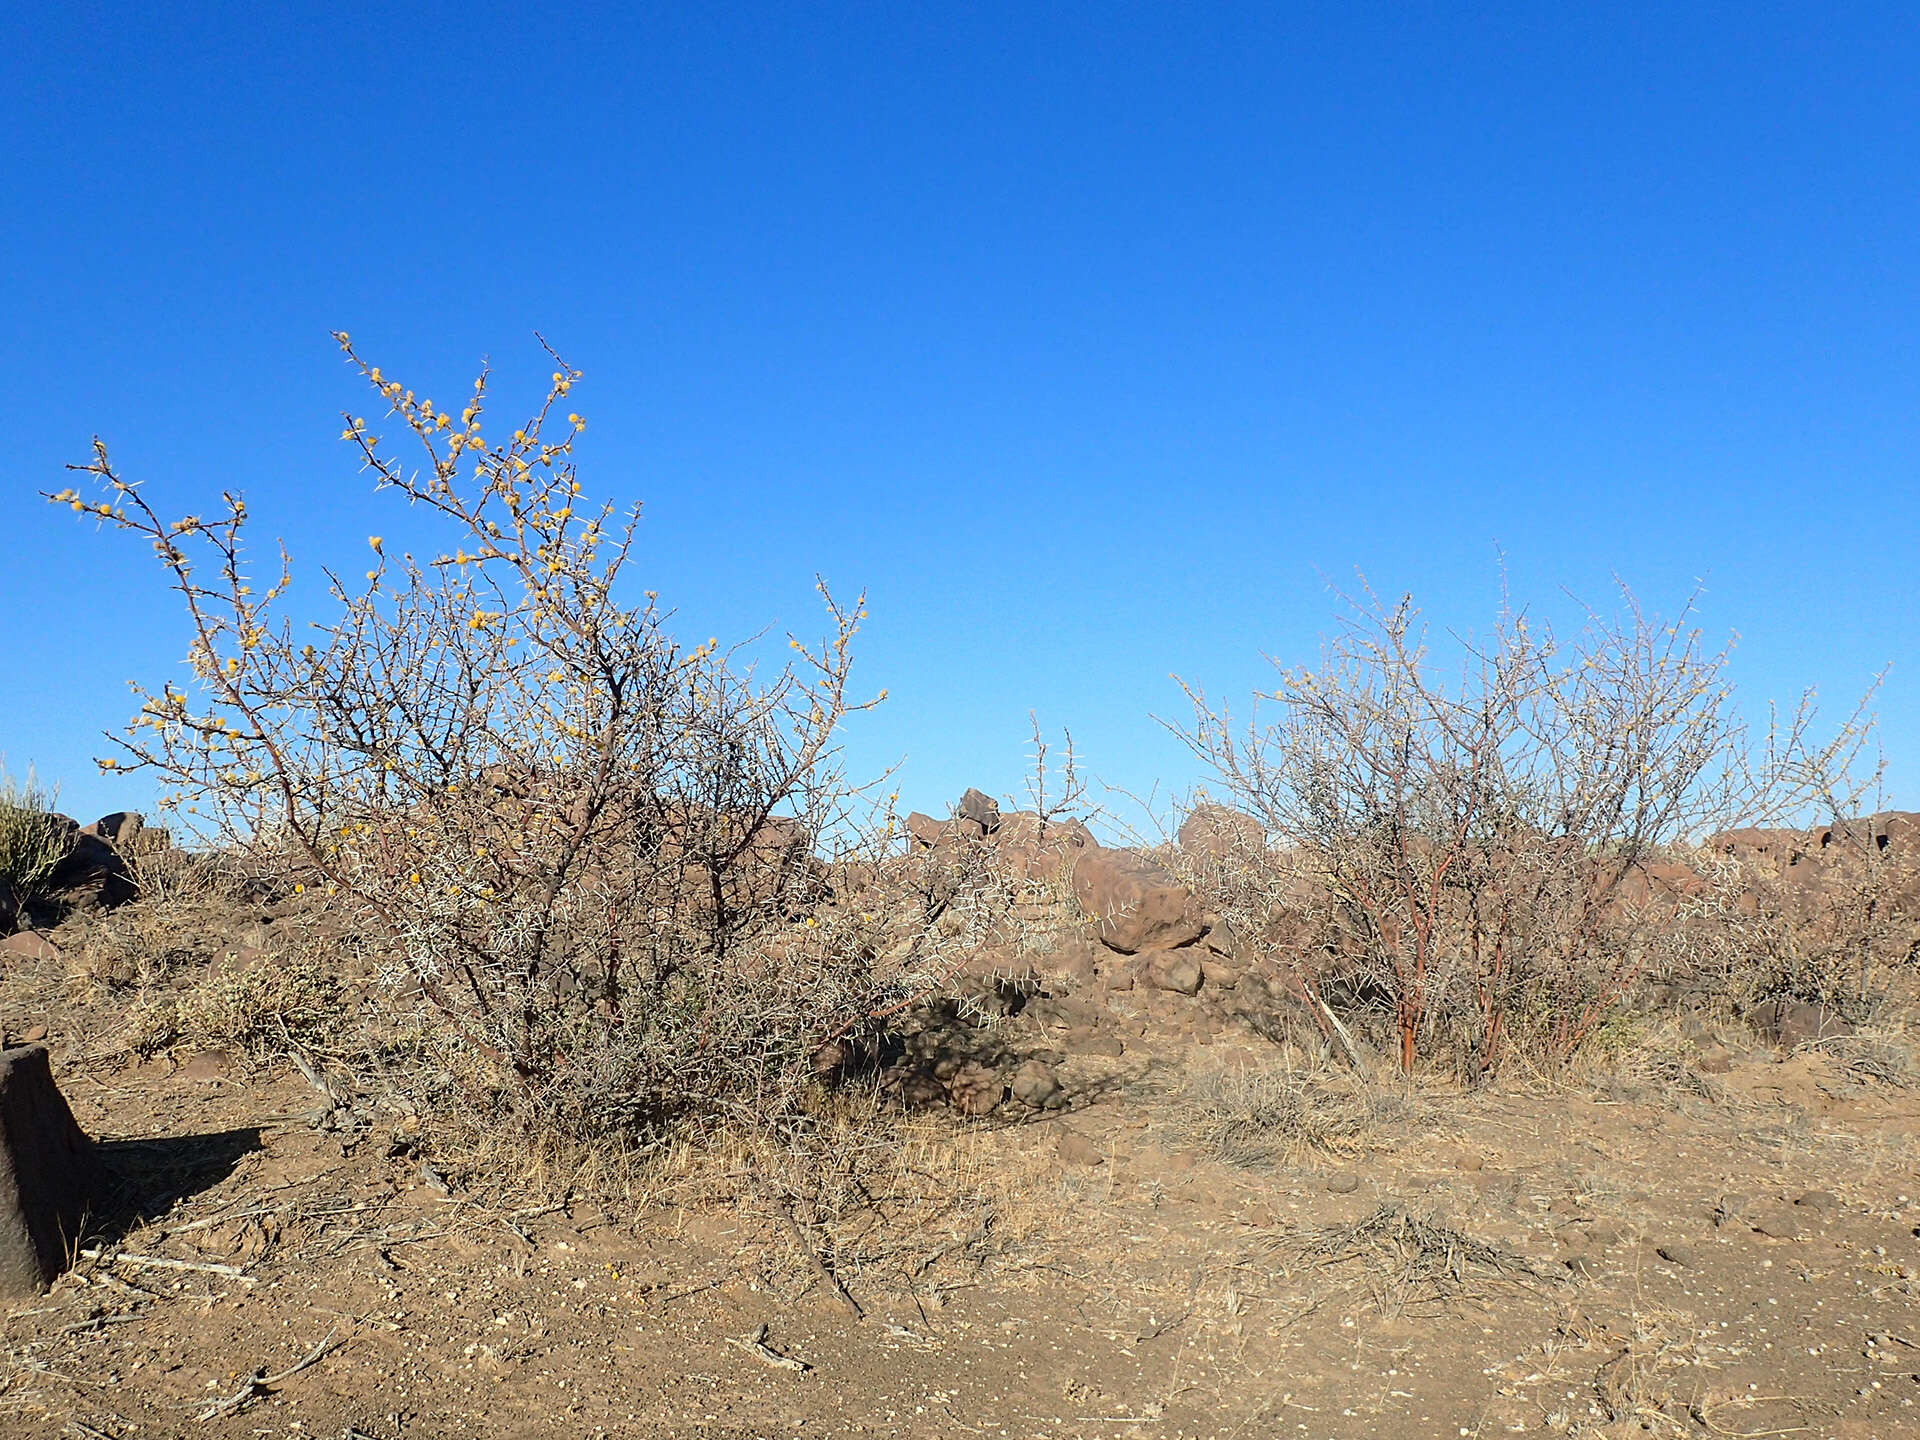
point(598, 862)
point(1476, 856)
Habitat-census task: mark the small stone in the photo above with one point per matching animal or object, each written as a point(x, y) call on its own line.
point(1715, 1060)
point(1077, 1149)
point(1035, 1085)
point(918, 1090)
point(1470, 1162)
point(1584, 1267)
point(976, 1090)
point(1096, 1042)
point(30, 945)
point(1778, 1227)
point(1175, 970)
point(1675, 1253)
point(33, 1035)
point(1819, 1200)
point(1344, 1183)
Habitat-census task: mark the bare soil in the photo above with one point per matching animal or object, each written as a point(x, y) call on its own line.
point(1734, 1255)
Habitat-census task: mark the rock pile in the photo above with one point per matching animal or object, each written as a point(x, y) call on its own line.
point(1116, 916)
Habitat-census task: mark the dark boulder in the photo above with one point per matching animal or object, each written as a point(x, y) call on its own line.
point(51, 1178)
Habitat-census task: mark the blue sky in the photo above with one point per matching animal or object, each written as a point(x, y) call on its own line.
point(1091, 341)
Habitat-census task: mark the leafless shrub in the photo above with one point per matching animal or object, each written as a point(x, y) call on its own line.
point(1834, 923)
point(1483, 852)
point(604, 866)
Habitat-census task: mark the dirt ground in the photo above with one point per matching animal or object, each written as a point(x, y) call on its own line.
point(1730, 1255)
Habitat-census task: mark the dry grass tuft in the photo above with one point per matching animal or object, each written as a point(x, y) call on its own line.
point(1260, 1118)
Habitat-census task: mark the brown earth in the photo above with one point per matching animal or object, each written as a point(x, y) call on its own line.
point(1686, 1253)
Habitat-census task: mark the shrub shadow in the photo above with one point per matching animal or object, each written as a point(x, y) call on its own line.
point(145, 1178)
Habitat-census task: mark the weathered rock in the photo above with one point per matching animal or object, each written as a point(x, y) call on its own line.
point(1819, 1200)
point(1221, 942)
point(50, 1174)
point(1215, 832)
point(30, 945)
point(1220, 976)
point(976, 1090)
point(1778, 1227)
point(1345, 1182)
point(1175, 970)
point(1083, 1041)
point(93, 875)
point(980, 808)
point(1073, 963)
point(919, 1090)
point(1033, 848)
point(1675, 1253)
point(1137, 903)
point(1789, 1022)
point(1036, 1086)
point(1077, 1149)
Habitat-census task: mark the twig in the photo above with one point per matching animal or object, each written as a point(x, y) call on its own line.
point(162, 1262)
point(259, 1382)
point(696, 1290)
point(756, 1346)
point(99, 1322)
point(979, 1232)
point(820, 1268)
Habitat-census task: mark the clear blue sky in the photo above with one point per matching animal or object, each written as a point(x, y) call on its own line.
point(1088, 339)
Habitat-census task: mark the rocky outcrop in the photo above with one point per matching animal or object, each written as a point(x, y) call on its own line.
point(1088, 913)
point(1136, 902)
point(95, 870)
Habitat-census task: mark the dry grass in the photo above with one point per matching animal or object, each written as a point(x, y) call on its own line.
point(1260, 1118)
point(32, 844)
point(1408, 1260)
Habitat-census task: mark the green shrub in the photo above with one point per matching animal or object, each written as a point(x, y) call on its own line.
point(32, 844)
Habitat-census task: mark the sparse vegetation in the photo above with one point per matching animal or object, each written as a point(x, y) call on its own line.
point(533, 922)
point(33, 842)
point(603, 861)
point(1480, 850)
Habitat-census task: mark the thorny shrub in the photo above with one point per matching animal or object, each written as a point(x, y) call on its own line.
point(600, 863)
point(1474, 856)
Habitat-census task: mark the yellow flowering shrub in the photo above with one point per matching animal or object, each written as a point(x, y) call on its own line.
point(589, 848)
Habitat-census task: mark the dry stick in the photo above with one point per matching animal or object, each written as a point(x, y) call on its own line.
point(259, 1381)
point(162, 1262)
point(756, 1346)
point(979, 1232)
point(785, 1214)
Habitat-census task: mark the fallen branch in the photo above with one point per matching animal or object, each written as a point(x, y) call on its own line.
point(932, 1258)
point(820, 1268)
point(162, 1262)
point(756, 1346)
point(260, 1383)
